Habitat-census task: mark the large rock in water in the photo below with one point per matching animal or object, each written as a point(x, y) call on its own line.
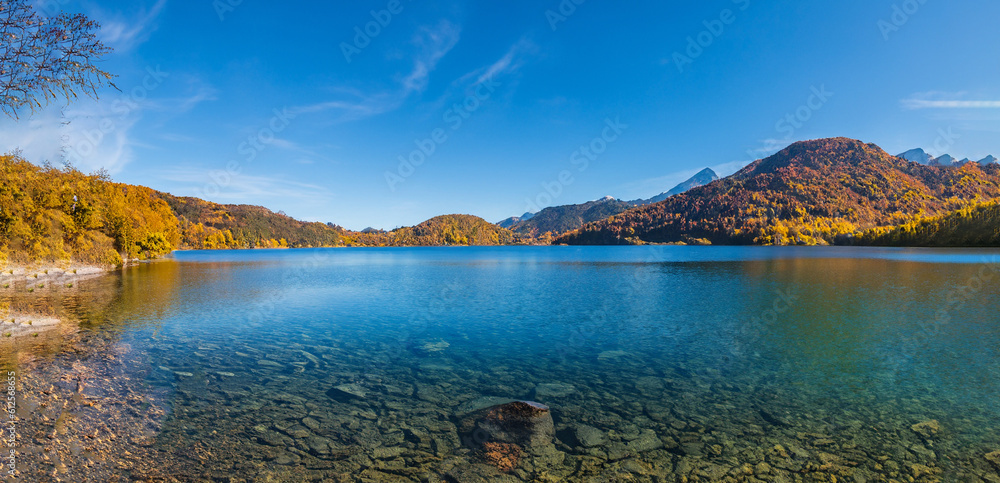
point(518, 434)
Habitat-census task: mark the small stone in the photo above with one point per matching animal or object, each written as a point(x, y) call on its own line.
point(617, 451)
point(384, 453)
point(346, 392)
point(271, 438)
point(830, 459)
point(693, 449)
point(921, 470)
point(647, 441)
point(298, 432)
point(780, 450)
point(589, 436)
point(438, 346)
point(606, 355)
point(311, 423)
point(927, 429)
point(553, 390)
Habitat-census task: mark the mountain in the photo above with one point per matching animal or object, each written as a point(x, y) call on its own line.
point(917, 156)
point(208, 225)
point(703, 177)
point(969, 227)
point(813, 192)
point(440, 230)
point(560, 219)
point(920, 156)
point(945, 160)
point(509, 222)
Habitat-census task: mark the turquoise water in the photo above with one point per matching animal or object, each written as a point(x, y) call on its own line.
point(657, 364)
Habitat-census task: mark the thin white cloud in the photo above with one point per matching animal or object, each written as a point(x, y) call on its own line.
point(177, 138)
point(126, 34)
point(245, 188)
point(298, 148)
point(92, 134)
point(914, 104)
point(509, 63)
point(946, 100)
point(506, 65)
point(358, 108)
point(185, 104)
point(768, 147)
point(730, 168)
point(433, 44)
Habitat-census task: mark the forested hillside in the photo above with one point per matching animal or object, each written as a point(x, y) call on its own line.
point(556, 220)
point(208, 225)
point(813, 192)
point(977, 226)
point(441, 230)
point(61, 214)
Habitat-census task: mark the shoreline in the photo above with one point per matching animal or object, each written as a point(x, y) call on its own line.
point(18, 324)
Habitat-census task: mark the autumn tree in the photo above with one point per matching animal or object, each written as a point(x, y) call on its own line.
point(46, 58)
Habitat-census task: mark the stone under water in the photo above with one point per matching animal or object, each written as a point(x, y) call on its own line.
point(519, 433)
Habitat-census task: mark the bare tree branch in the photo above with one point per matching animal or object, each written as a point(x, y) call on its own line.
point(43, 59)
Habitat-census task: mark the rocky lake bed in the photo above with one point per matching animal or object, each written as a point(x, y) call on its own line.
point(303, 412)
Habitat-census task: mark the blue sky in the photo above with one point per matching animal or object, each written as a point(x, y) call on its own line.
point(490, 103)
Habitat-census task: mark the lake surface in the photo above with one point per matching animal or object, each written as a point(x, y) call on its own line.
point(656, 364)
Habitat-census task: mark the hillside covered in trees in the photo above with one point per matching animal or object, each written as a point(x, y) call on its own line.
point(977, 226)
point(813, 192)
point(553, 221)
point(556, 220)
point(208, 225)
point(53, 214)
point(61, 214)
point(438, 231)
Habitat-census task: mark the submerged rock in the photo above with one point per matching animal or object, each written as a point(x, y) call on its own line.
point(994, 458)
point(478, 472)
point(506, 434)
point(433, 346)
point(647, 441)
point(611, 355)
point(346, 392)
point(589, 436)
point(927, 429)
point(553, 390)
